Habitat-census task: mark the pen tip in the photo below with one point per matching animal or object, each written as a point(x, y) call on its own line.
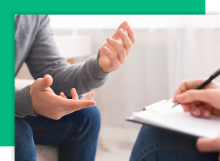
point(175, 104)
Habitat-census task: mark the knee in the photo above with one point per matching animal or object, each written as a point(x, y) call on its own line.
point(86, 119)
point(146, 141)
point(24, 142)
point(22, 131)
point(90, 120)
point(93, 118)
point(151, 140)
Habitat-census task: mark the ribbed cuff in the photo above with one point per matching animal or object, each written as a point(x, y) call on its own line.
point(97, 71)
point(23, 104)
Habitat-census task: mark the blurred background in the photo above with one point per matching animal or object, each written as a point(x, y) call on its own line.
point(168, 49)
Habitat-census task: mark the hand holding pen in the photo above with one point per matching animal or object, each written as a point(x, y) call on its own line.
point(202, 102)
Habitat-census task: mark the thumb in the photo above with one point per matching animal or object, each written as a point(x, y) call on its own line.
point(195, 95)
point(208, 145)
point(123, 26)
point(45, 82)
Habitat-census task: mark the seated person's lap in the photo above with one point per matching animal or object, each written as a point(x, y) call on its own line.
point(156, 144)
point(73, 132)
point(73, 123)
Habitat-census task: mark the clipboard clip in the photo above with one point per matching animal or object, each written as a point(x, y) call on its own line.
point(159, 106)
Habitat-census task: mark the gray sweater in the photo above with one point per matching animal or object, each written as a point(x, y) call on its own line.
point(34, 45)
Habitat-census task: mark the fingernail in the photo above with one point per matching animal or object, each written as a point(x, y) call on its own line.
point(109, 39)
point(105, 49)
point(206, 114)
point(92, 94)
point(196, 113)
point(121, 32)
point(129, 29)
point(92, 104)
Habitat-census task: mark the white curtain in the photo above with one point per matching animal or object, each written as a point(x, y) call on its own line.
point(193, 50)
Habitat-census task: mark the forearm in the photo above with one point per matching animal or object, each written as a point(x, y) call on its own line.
point(84, 77)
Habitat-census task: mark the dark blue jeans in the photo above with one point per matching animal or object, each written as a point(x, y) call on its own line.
point(76, 135)
point(156, 144)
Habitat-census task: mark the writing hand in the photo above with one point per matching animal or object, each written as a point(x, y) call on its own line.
point(202, 102)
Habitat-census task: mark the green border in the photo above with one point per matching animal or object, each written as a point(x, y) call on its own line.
point(7, 79)
point(111, 7)
point(8, 9)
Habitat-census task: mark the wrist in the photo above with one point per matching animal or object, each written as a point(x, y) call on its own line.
point(102, 66)
point(102, 72)
point(31, 94)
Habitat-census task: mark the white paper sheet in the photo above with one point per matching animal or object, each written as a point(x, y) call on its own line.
point(175, 119)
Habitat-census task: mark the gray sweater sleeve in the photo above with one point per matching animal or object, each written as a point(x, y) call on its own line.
point(44, 58)
point(23, 105)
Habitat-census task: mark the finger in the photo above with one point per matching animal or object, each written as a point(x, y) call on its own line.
point(48, 80)
point(186, 85)
point(205, 112)
point(131, 34)
point(118, 48)
point(198, 103)
point(88, 96)
point(74, 94)
point(114, 60)
point(80, 104)
point(194, 111)
point(123, 26)
point(186, 107)
point(196, 95)
point(200, 111)
point(209, 108)
point(208, 145)
point(73, 105)
point(63, 95)
point(216, 112)
point(125, 40)
point(42, 83)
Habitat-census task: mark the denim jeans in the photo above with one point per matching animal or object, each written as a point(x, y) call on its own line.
point(156, 144)
point(76, 135)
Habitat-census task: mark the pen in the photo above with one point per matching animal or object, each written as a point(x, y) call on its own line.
point(203, 84)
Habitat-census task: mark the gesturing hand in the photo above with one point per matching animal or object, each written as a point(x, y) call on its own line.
point(46, 103)
point(202, 102)
point(114, 52)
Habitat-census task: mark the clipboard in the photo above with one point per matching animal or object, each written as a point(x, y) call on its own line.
point(161, 115)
